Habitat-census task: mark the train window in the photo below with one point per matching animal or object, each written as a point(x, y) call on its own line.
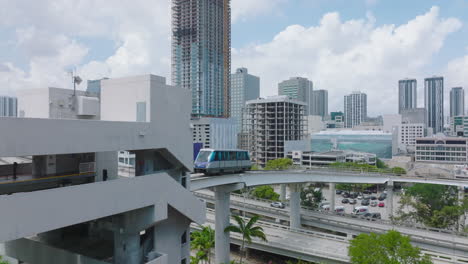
point(225, 155)
point(232, 155)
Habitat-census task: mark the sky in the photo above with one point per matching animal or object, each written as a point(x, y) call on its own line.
point(341, 45)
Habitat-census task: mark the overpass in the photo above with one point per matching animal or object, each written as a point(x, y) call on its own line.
point(223, 185)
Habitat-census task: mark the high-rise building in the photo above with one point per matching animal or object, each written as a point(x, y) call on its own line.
point(8, 106)
point(355, 109)
point(244, 87)
point(407, 94)
point(298, 88)
point(434, 103)
point(201, 53)
point(457, 102)
point(269, 123)
point(320, 103)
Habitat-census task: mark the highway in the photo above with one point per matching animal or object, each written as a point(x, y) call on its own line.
point(433, 240)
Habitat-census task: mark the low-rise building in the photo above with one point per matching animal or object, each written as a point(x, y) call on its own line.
point(446, 150)
point(407, 135)
point(308, 159)
point(217, 133)
point(459, 126)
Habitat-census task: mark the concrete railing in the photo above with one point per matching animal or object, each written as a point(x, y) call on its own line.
point(157, 258)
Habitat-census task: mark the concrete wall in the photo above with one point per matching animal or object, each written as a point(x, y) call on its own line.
point(33, 103)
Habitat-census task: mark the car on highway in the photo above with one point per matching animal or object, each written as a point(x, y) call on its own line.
point(374, 203)
point(373, 216)
point(352, 201)
point(365, 202)
point(381, 204)
point(345, 201)
point(340, 209)
point(278, 205)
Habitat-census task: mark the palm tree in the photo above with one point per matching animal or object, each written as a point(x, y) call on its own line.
point(248, 231)
point(3, 261)
point(203, 241)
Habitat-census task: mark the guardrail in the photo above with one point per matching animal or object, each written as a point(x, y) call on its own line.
point(336, 221)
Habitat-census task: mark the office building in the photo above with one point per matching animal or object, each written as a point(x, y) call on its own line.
point(244, 87)
point(407, 135)
point(300, 89)
point(308, 159)
point(355, 109)
point(414, 116)
point(457, 102)
point(459, 126)
point(71, 206)
point(434, 103)
point(215, 133)
point(320, 103)
point(8, 106)
point(269, 123)
point(443, 150)
point(407, 94)
point(336, 120)
point(315, 124)
point(201, 53)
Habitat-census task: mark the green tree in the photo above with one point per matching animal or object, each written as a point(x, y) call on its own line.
point(266, 192)
point(248, 231)
point(203, 242)
point(433, 205)
point(255, 167)
point(380, 164)
point(279, 164)
point(389, 248)
point(310, 197)
point(298, 262)
point(398, 170)
point(3, 261)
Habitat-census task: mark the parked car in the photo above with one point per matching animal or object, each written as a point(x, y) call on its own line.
point(366, 197)
point(374, 203)
point(352, 201)
point(339, 192)
point(365, 202)
point(277, 205)
point(373, 216)
point(345, 195)
point(354, 195)
point(367, 192)
point(345, 201)
point(323, 205)
point(382, 197)
point(381, 204)
point(340, 209)
point(359, 197)
point(373, 197)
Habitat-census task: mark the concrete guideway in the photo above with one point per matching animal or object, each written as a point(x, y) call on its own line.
point(446, 243)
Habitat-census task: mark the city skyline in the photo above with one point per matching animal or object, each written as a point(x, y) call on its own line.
point(119, 48)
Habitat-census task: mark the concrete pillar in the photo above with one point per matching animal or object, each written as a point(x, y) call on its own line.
point(461, 220)
point(222, 217)
point(390, 198)
point(295, 206)
point(106, 163)
point(332, 189)
point(126, 247)
point(282, 192)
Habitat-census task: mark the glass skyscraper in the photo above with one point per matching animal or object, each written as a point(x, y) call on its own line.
point(201, 53)
point(8, 106)
point(355, 109)
point(300, 89)
point(320, 103)
point(244, 87)
point(434, 103)
point(407, 94)
point(457, 102)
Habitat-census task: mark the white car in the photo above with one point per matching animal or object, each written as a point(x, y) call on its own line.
point(359, 197)
point(277, 205)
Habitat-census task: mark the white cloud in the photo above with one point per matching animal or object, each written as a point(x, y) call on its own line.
point(244, 9)
point(352, 55)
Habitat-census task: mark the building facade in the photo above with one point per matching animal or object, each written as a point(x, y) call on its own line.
point(244, 87)
point(434, 103)
point(407, 94)
point(215, 133)
point(201, 53)
point(457, 102)
point(307, 159)
point(269, 123)
point(355, 109)
point(459, 126)
point(415, 115)
point(300, 89)
point(444, 150)
point(8, 106)
point(407, 135)
point(320, 103)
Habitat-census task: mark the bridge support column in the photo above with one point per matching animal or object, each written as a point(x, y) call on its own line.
point(222, 217)
point(282, 192)
point(390, 199)
point(295, 206)
point(332, 189)
point(461, 220)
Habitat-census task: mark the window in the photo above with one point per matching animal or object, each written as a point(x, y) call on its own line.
point(184, 261)
point(183, 238)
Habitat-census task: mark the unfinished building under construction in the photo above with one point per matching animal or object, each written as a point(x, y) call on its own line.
point(201, 53)
point(269, 122)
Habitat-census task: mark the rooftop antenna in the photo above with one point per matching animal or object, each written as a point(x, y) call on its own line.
point(76, 80)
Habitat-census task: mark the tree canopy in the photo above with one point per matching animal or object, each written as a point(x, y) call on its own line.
point(202, 242)
point(265, 192)
point(279, 164)
point(389, 248)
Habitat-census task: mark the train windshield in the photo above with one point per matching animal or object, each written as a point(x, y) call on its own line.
point(203, 156)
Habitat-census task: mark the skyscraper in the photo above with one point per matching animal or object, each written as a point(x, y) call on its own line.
point(355, 109)
point(407, 94)
point(457, 102)
point(434, 103)
point(320, 103)
point(300, 89)
point(201, 53)
point(244, 87)
point(8, 106)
